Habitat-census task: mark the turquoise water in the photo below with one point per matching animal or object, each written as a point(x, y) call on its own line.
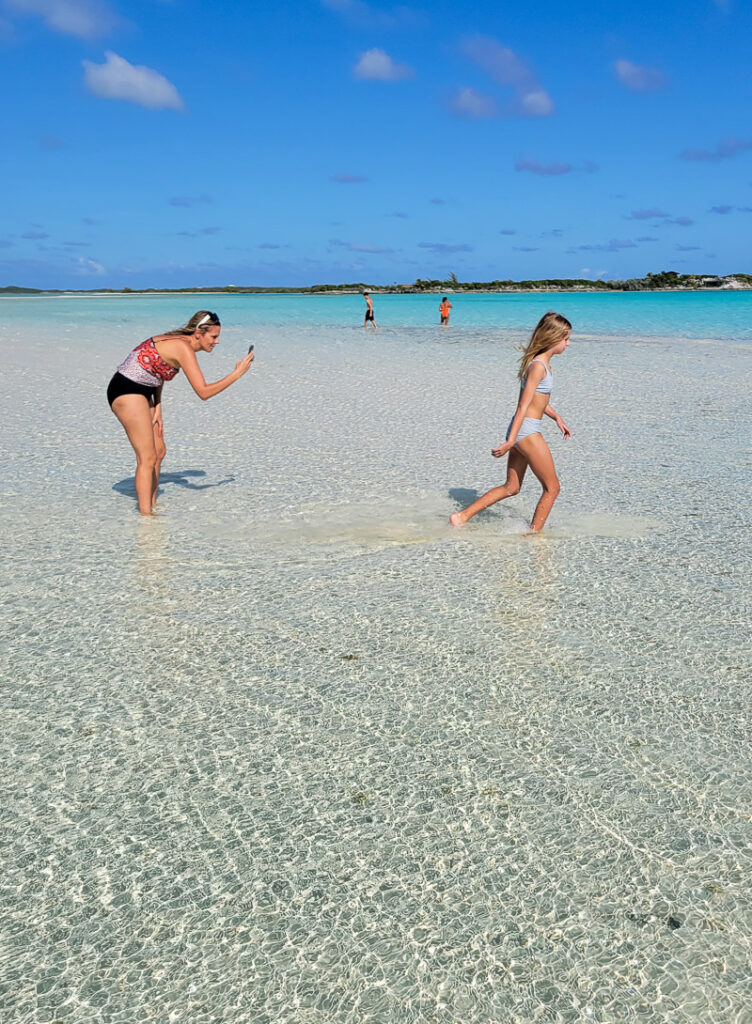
point(718, 315)
point(297, 752)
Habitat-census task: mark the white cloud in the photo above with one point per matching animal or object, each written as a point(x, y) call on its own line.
point(83, 18)
point(368, 16)
point(593, 273)
point(639, 79)
point(501, 63)
point(118, 80)
point(505, 67)
point(444, 247)
point(651, 214)
point(377, 65)
point(614, 245)
point(469, 103)
point(347, 179)
point(725, 150)
point(365, 247)
point(536, 103)
point(84, 266)
point(547, 170)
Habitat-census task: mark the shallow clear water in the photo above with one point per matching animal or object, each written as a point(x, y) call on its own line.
point(296, 751)
point(722, 315)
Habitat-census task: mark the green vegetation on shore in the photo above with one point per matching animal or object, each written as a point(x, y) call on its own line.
point(666, 280)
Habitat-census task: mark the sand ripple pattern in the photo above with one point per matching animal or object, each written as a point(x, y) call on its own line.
point(295, 752)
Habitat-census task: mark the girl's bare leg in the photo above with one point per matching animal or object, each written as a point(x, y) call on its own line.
point(516, 466)
point(541, 462)
point(134, 412)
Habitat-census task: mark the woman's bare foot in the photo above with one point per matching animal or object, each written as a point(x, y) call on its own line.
point(456, 519)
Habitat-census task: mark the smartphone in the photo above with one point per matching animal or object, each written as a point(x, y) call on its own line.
point(250, 349)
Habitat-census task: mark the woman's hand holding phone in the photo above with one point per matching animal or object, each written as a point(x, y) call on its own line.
point(245, 363)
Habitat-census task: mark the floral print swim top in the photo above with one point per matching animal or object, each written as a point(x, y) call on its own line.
point(144, 365)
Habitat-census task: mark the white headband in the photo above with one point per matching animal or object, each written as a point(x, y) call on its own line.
point(203, 320)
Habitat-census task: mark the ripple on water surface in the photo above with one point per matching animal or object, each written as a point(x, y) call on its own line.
point(297, 751)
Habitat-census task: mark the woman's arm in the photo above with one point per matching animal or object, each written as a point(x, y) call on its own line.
point(156, 413)
point(559, 421)
point(535, 375)
point(186, 358)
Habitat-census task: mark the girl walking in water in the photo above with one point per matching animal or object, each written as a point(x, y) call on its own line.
point(524, 441)
point(135, 392)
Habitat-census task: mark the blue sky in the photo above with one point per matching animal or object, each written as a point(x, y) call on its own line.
point(170, 143)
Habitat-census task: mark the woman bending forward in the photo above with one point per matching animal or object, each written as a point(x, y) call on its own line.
point(135, 392)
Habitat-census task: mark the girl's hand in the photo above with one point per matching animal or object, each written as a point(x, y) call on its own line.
point(244, 365)
point(564, 429)
point(156, 419)
point(502, 450)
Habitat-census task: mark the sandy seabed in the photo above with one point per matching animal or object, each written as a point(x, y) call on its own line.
point(296, 751)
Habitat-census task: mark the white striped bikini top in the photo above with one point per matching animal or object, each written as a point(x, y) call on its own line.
point(546, 386)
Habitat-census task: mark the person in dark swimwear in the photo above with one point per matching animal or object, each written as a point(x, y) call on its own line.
point(135, 392)
point(369, 311)
point(444, 306)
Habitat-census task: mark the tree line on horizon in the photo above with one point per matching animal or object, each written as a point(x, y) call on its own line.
point(666, 279)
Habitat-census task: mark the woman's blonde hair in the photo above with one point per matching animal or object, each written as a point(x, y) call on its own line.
point(194, 324)
point(549, 330)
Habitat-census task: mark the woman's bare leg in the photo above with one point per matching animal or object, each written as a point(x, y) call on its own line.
point(541, 462)
point(516, 466)
point(134, 412)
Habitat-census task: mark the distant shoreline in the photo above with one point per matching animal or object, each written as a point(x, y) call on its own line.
point(666, 281)
point(373, 291)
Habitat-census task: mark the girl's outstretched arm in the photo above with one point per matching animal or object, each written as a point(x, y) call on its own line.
point(559, 422)
point(189, 365)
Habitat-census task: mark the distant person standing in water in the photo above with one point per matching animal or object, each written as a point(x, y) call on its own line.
point(444, 306)
point(369, 311)
point(135, 392)
point(524, 441)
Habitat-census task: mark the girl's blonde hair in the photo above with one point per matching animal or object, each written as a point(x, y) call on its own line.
point(549, 330)
point(212, 320)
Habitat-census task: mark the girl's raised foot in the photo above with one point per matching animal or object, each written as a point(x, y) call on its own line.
point(456, 519)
